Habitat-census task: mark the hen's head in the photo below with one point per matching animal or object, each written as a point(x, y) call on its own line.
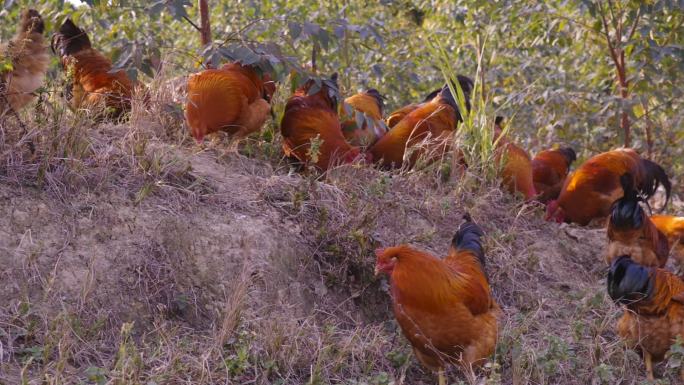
point(386, 259)
point(69, 39)
point(31, 22)
point(355, 154)
point(554, 212)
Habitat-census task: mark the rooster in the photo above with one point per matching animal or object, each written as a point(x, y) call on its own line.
point(311, 128)
point(515, 163)
point(92, 85)
point(444, 306)
point(549, 170)
point(654, 299)
point(630, 231)
point(233, 99)
point(589, 192)
point(428, 128)
point(673, 228)
point(366, 109)
point(26, 58)
point(396, 116)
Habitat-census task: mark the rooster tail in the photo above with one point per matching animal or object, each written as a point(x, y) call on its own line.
point(569, 154)
point(626, 213)
point(69, 39)
point(629, 282)
point(431, 95)
point(469, 237)
point(466, 85)
point(655, 176)
point(31, 22)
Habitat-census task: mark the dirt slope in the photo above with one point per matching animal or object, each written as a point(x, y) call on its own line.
point(228, 269)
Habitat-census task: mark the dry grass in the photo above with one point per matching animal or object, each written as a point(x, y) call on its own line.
point(131, 256)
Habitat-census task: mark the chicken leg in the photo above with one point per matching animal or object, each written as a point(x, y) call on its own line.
point(649, 366)
point(441, 376)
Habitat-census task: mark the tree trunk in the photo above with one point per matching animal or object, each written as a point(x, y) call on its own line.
point(205, 26)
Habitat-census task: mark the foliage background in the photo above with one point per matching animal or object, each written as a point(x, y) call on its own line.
point(546, 65)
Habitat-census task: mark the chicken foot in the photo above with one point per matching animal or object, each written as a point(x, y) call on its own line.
point(649, 366)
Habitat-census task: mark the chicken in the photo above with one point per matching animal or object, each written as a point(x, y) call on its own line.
point(92, 85)
point(396, 116)
point(425, 132)
point(443, 306)
point(673, 228)
point(631, 232)
point(233, 99)
point(549, 170)
point(514, 162)
point(363, 125)
point(589, 192)
point(654, 301)
point(311, 128)
point(26, 58)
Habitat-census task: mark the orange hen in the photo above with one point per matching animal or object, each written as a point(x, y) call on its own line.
point(233, 99)
point(673, 228)
point(92, 84)
point(363, 125)
point(424, 132)
point(631, 232)
point(443, 306)
point(549, 170)
point(515, 163)
point(589, 192)
point(28, 56)
point(654, 299)
point(311, 128)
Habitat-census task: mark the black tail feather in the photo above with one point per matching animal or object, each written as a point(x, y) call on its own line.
point(655, 176)
point(469, 237)
point(467, 86)
point(629, 282)
point(70, 39)
point(626, 213)
point(32, 22)
point(432, 95)
point(569, 154)
point(378, 97)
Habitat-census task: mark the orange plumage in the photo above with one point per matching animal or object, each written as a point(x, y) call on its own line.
point(673, 228)
point(367, 105)
point(631, 232)
point(91, 86)
point(654, 299)
point(28, 55)
point(397, 115)
point(549, 170)
point(515, 164)
point(424, 132)
point(589, 192)
point(231, 99)
point(313, 119)
point(443, 306)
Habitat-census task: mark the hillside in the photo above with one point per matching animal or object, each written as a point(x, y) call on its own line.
point(130, 255)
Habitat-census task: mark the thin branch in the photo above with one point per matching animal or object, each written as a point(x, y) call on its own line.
point(606, 33)
point(192, 23)
point(634, 26)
